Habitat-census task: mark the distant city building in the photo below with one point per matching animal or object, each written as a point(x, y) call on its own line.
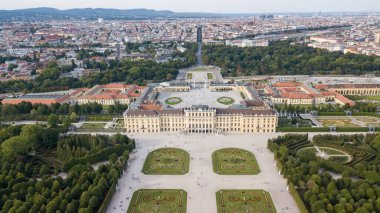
point(247, 43)
point(377, 38)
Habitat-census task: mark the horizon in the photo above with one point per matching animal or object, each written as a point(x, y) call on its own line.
point(208, 6)
point(161, 10)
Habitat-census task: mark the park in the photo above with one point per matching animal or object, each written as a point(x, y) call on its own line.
point(258, 176)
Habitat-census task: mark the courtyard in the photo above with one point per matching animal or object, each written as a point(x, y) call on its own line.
point(200, 96)
point(201, 183)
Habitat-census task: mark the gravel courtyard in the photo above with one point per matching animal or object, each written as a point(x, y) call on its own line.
point(201, 183)
point(200, 96)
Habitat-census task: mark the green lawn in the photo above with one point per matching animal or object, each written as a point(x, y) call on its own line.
point(105, 107)
point(329, 151)
point(99, 117)
point(200, 69)
point(158, 201)
point(90, 126)
point(167, 161)
point(226, 100)
point(234, 161)
point(173, 100)
point(242, 201)
point(210, 76)
point(369, 97)
point(189, 76)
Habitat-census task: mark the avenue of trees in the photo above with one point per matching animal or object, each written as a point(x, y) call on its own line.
point(366, 107)
point(284, 58)
point(319, 191)
point(27, 183)
point(56, 108)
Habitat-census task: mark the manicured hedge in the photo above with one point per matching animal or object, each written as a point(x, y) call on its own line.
point(344, 114)
point(331, 114)
point(107, 199)
point(352, 129)
point(303, 129)
point(102, 155)
point(297, 198)
point(322, 129)
point(292, 190)
point(111, 191)
point(366, 114)
point(23, 117)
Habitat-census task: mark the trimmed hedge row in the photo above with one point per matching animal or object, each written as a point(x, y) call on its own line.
point(102, 155)
point(111, 191)
point(107, 199)
point(331, 114)
point(112, 130)
point(366, 114)
point(344, 114)
point(297, 198)
point(292, 190)
point(322, 129)
point(352, 129)
point(303, 129)
point(23, 117)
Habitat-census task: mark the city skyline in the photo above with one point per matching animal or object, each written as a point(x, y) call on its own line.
point(221, 6)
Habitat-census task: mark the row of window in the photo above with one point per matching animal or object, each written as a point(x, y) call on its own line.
point(176, 130)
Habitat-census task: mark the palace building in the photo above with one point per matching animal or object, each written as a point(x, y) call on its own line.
point(201, 119)
point(200, 105)
point(356, 89)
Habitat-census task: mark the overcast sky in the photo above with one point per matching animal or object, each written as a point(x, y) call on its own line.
point(216, 6)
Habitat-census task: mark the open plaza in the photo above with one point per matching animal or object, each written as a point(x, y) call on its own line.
point(200, 96)
point(263, 189)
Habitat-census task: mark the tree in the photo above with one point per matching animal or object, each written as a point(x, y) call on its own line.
point(307, 155)
point(74, 117)
point(53, 120)
point(66, 123)
point(94, 202)
point(113, 158)
point(84, 199)
point(376, 143)
point(15, 146)
point(33, 134)
point(71, 208)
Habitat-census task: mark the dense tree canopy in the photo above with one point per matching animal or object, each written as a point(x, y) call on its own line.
point(319, 190)
point(27, 183)
point(284, 58)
